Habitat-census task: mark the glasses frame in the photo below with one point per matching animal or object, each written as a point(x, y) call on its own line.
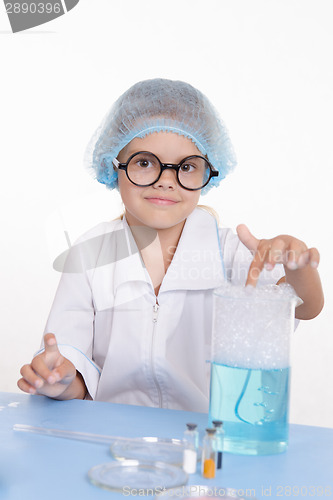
point(165, 166)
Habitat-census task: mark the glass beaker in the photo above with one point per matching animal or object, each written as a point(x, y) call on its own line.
point(250, 370)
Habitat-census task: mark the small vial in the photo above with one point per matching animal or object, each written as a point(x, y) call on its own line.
point(191, 434)
point(209, 450)
point(220, 442)
point(191, 439)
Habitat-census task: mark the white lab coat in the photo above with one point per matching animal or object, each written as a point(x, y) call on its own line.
point(129, 349)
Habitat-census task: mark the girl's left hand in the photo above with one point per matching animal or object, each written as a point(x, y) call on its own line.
point(284, 249)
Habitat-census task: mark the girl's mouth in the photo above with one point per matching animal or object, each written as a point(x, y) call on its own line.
point(162, 201)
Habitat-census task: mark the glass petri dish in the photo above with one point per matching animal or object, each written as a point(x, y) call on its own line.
point(151, 449)
point(132, 474)
point(204, 492)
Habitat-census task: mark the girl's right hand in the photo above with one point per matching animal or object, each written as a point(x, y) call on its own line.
point(49, 373)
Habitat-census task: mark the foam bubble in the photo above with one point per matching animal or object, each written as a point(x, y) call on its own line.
point(267, 292)
point(252, 326)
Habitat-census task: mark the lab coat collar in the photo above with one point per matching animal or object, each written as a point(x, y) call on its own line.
point(132, 267)
point(196, 265)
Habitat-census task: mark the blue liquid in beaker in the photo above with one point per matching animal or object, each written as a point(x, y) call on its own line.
point(253, 405)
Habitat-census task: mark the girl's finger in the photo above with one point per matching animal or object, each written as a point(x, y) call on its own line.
point(31, 377)
point(247, 238)
point(304, 259)
point(40, 368)
point(52, 355)
point(275, 254)
point(65, 372)
point(294, 252)
point(25, 386)
point(257, 264)
point(50, 343)
point(314, 257)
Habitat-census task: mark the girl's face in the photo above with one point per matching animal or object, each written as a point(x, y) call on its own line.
point(165, 204)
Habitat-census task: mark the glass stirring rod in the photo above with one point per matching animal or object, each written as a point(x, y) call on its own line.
point(81, 436)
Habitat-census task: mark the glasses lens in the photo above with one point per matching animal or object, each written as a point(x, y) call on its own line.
point(143, 169)
point(194, 172)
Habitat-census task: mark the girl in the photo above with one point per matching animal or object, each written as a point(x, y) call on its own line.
point(132, 314)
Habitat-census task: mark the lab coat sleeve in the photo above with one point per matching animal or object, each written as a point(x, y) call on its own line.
point(72, 321)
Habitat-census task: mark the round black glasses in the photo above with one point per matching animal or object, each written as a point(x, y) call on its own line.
point(144, 169)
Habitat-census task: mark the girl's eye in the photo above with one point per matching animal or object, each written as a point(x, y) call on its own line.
point(144, 163)
point(187, 167)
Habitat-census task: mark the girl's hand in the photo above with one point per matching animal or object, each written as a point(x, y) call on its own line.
point(284, 249)
point(49, 373)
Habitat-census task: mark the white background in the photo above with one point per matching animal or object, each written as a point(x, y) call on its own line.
point(267, 67)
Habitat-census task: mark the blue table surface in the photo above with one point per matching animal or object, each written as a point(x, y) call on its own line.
point(42, 467)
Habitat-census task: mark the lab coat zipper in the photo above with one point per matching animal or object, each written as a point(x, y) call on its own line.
point(155, 314)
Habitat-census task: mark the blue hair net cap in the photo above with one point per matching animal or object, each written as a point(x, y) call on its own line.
point(160, 105)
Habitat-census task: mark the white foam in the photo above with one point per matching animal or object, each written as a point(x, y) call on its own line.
point(252, 326)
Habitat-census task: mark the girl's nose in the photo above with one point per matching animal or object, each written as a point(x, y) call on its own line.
point(168, 179)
